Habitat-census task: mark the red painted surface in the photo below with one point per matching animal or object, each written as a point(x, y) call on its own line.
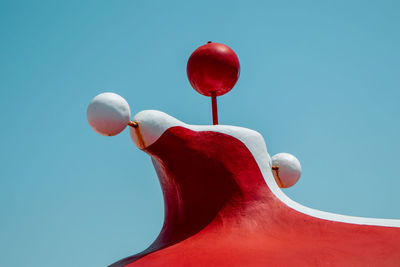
point(213, 67)
point(220, 212)
point(214, 108)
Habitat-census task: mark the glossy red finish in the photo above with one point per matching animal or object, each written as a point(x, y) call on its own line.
point(213, 67)
point(220, 212)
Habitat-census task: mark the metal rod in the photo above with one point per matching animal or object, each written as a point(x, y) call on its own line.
point(214, 107)
point(133, 124)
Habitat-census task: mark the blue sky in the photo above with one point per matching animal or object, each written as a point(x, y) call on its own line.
point(319, 79)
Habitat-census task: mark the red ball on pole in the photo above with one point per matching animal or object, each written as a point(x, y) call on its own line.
point(213, 69)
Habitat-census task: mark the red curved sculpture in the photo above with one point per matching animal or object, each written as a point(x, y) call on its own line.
point(223, 207)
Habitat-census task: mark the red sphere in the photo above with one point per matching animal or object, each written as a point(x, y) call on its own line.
point(213, 67)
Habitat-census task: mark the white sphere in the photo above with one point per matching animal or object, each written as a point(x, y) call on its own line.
point(108, 114)
point(286, 169)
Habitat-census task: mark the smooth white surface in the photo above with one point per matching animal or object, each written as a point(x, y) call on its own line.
point(152, 124)
point(289, 169)
point(108, 114)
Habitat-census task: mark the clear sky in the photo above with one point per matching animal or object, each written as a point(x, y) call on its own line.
point(319, 79)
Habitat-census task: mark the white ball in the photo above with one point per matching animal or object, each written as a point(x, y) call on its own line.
point(286, 169)
point(108, 114)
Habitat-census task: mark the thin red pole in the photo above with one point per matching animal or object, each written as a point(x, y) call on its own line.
point(214, 107)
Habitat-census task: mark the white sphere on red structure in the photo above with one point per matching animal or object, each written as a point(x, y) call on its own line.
point(108, 114)
point(286, 169)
